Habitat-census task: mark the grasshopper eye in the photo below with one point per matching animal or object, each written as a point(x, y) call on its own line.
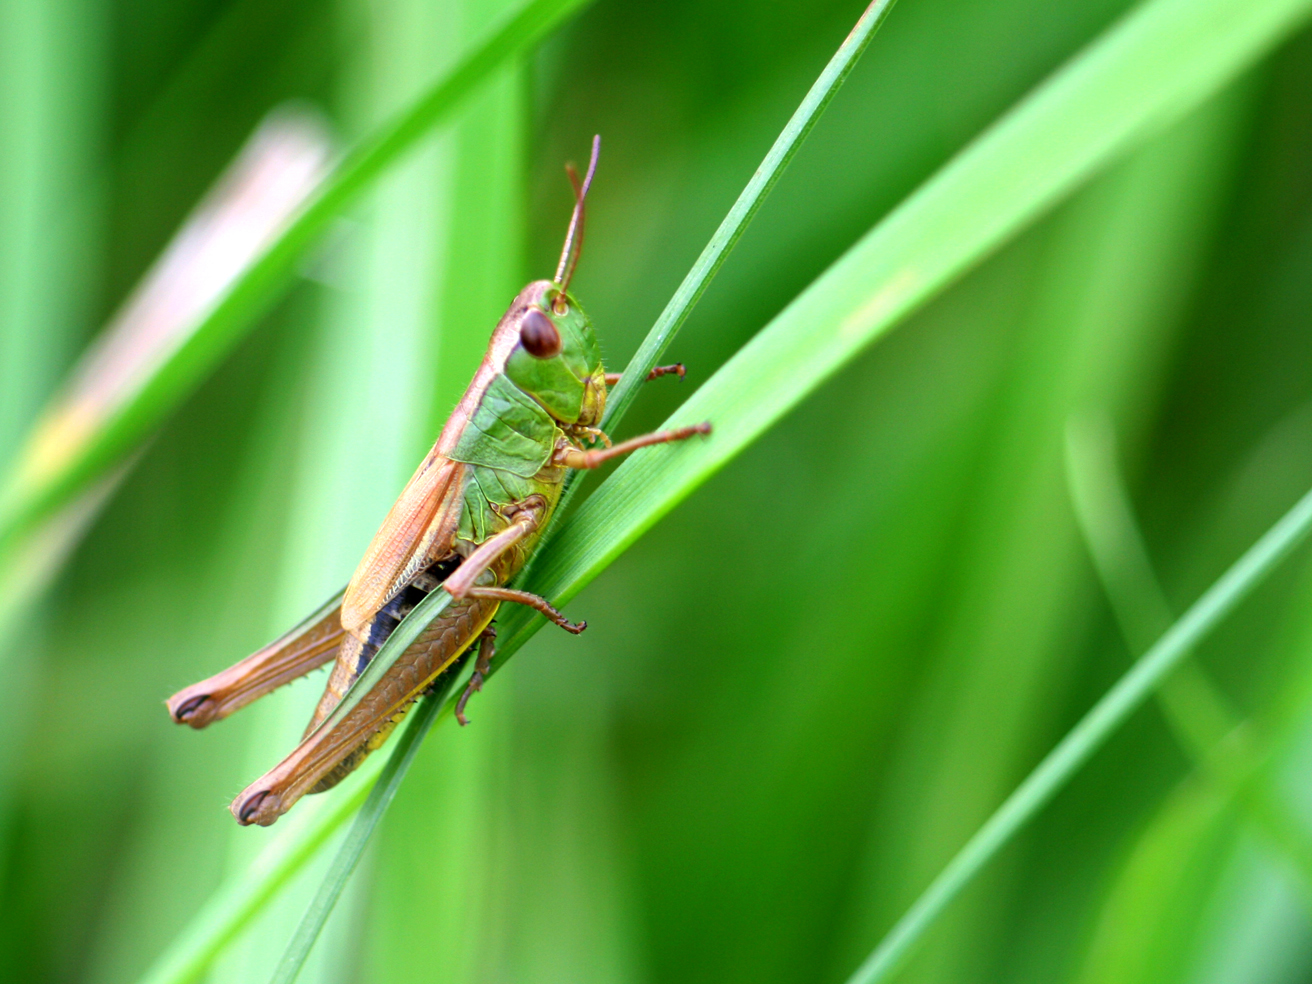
point(539, 336)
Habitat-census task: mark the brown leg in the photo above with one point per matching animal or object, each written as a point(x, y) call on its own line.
point(532, 600)
point(487, 650)
point(657, 372)
point(574, 458)
point(306, 647)
point(458, 585)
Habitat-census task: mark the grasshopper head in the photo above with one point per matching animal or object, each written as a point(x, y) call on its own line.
point(557, 360)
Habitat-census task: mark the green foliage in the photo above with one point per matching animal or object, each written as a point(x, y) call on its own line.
point(709, 784)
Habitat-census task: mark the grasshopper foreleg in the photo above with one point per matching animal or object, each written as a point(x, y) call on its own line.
point(572, 457)
point(656, 373)
point(487, 651)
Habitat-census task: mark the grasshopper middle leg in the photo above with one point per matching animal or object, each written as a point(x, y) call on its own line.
point(463, 583)
point(536, 602)
point(487, 651)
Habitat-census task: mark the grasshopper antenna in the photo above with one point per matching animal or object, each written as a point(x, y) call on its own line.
point(573, 249)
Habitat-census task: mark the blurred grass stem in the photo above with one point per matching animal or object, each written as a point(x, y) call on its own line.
point(1101, 721)
point(1205, 725)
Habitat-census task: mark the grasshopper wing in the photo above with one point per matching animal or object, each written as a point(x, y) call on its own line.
point(419, 530)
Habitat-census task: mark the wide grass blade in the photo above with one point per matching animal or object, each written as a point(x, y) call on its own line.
point(1032, 156)
point(271, 177)
point(233, 906)
point(1101, 721)
point(1156, 63)
point(234, 313)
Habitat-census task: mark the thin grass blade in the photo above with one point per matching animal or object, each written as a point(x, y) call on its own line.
point(1233, 751)
point(397, 643)
point(380, 797)
point(676, 312)
point(730, 230)
point(1102, 720)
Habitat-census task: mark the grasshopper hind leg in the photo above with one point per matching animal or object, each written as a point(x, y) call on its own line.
point(355, 656)
point(362, 751)
point(305, 648)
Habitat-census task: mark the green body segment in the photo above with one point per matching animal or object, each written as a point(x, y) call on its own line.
point(508, 431)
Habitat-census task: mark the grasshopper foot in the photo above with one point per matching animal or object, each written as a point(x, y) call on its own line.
point(197, 710)
point(675, 370)
point(475, 685)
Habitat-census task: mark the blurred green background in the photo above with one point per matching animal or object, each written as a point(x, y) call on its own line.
point(802, 691)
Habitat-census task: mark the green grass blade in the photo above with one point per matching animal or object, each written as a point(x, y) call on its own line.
point(237, 902)
point(1196, 709)
point(397, 643)
point(229, 225)
point(1136, 686)
point(1156, 63)
point(675, 313)
point(235, 312)
point(904, 259)
point(744, 210)
point(380, 797)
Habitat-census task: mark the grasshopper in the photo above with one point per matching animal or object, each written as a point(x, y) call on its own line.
point(468, 521)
